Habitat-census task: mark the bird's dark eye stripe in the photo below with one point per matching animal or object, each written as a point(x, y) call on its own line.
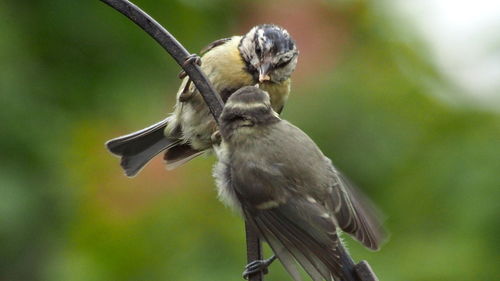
point(282, 64)
point(258, 50)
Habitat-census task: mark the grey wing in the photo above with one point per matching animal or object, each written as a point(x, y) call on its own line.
point(355, 214)
point(214, 44)
point(297, 229)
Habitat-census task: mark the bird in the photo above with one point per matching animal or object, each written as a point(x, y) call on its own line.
point(266, 55)
point(277, 178)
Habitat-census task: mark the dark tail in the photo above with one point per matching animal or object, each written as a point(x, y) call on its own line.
point(179, 154)
point(138, 148)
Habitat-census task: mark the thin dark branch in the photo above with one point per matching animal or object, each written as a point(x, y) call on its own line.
point(174, 48)
point(254, 250)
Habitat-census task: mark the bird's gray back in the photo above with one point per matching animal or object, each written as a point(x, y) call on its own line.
point(283, 153)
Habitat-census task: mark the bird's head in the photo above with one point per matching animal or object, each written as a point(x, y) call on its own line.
point(269, 53)
point(246, 111)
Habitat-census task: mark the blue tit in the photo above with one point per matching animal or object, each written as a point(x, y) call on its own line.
point(279, 180)
point(266, 55)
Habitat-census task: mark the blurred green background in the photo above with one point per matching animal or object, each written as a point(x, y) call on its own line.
point(76, 73)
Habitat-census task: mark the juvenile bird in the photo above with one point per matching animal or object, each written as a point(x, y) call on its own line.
point(278, 179)
point(266, 55)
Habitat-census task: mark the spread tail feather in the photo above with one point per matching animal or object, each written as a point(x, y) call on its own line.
point(179, 154)
point(138, 148)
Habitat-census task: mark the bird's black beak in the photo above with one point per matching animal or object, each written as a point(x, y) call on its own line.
point(264, 72)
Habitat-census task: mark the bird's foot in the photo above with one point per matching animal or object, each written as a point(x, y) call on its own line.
point(216, 138)
point(193, 58)
point(182, 74)
point(258, 266)
point(186, 94)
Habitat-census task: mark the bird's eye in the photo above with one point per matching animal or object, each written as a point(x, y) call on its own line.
point(243, 121)
point(282, 64)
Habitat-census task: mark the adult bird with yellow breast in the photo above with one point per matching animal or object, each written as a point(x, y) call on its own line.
point(266, 55)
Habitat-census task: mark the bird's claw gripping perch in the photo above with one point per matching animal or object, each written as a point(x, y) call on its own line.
point(258, 266)
point(216, 138)
point(192, 58)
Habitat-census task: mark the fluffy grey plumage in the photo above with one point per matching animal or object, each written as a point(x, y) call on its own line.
point(266, 55)
point(276, 176)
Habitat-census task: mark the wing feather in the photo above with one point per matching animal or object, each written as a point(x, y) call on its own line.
point(355, 214)
point(296, 229)
point(214, 44)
